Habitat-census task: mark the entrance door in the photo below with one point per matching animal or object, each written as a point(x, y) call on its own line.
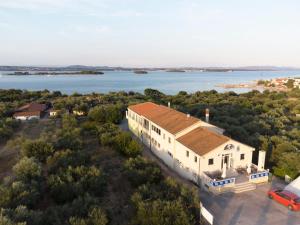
point(226, 159)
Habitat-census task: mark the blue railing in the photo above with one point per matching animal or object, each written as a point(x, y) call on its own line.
point(222, 183)
point(259, 175)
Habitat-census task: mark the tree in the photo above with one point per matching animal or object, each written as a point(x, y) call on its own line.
point(4, 220)
point(161, 212)
point(69, 139)
point(280, 149)
point(27, 169)
point(126, 145)
point(38, 149)
point(73, 182)
point(290, 83)
point(141, 171)
point(69, 122)
point(153, 94)
point(288, 165)
point(95, 217)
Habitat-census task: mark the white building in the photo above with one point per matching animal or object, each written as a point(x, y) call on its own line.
point(195, 149)
point(296, 82)
point(294, 187)
point(27, 115)
point(54, 113)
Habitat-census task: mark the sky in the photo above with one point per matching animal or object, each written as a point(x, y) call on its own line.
point(150, 33)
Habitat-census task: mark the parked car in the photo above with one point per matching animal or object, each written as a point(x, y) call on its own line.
point(286, 198)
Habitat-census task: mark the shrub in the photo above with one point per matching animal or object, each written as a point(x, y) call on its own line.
point(37, 149)
point(141, 171)
point(95, 217)
point(126, 145)
point(27, 169)
point(75, 181)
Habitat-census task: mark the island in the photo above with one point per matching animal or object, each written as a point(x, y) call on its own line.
point(84, 72)
point(175, 71)
point(140, 72)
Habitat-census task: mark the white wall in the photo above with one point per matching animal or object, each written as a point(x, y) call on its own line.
point(188, 163)
point(235, 154)
point(174, 153)
point(23, 118)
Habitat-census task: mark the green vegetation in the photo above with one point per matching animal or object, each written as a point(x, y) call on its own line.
point(85, 170)
point(290, 83)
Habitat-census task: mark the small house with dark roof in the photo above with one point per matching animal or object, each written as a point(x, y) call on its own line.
point(196, 149)
point(30, 111)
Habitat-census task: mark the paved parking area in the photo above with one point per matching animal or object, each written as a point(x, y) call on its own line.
point(249, 208)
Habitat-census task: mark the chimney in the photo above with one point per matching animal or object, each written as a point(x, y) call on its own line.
point(207, 115)
point(169, 104)
point(188, 115)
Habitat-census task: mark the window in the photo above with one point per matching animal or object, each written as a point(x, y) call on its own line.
point(154, 128)
point(284, 196)
point(195, 159)
point(211, 162)
point(242, 156)
point(164, 136)
point(187, 153)
point(158, 145)
point(169, 140)
point(170, 154)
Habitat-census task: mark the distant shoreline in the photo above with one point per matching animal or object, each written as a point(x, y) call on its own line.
point(277, 84)
point(55, 73)
point(148, 69)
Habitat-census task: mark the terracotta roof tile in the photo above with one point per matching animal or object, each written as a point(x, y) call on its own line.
point(202, 140)
point(165, 117)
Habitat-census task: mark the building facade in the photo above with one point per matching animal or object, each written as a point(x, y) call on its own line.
point(192, 147)
point(30, 111)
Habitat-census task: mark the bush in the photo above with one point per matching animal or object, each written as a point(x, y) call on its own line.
point(95, 217)
point(75, 181)
point(4, 220)
point(161, 212)
point(27, 169)
point(106, 114)
point(20, 193)
point(126, 145)
point(37, 149)
point(141, 171)
point(65, 158)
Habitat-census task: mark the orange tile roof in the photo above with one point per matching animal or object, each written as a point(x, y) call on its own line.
point(165, 117)
point(202, 141)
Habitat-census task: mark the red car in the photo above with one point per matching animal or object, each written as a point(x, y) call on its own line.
point(286, 198)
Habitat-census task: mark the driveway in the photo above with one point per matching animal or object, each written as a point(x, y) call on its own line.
point(249, 208)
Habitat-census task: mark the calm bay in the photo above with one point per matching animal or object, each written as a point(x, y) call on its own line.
point(169, 83)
